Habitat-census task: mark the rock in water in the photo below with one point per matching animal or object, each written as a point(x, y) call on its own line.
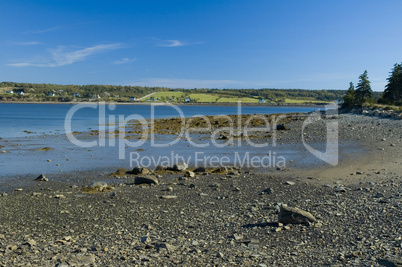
point(146, 180)
point(295, 215)
point(42, 178)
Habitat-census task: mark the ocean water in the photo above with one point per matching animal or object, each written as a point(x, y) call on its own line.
point(18, 119)
point(26, 128)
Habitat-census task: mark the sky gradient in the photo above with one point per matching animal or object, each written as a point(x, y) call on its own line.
point(200, 44)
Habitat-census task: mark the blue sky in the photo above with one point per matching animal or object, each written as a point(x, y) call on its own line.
point(200, 44)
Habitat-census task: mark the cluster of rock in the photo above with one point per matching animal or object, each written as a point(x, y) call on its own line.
point(379, 112)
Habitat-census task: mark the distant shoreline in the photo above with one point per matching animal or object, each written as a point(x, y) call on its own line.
point(173, 103)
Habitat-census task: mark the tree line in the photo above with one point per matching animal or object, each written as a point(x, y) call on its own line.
point(392, 94)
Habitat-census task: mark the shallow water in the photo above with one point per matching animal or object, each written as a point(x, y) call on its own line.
point(50, 118)
point(46, 122)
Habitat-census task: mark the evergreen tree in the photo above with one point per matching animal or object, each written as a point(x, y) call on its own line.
point(363, 89)
point(393, 90)
point(349, 100)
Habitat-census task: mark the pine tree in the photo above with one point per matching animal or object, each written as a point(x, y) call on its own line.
point(393, 90)
point(349, 100)
point(363, 89)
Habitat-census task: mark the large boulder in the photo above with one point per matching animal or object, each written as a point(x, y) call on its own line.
point(294, 215)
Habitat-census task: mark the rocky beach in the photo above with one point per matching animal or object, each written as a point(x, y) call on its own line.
point(344, 215)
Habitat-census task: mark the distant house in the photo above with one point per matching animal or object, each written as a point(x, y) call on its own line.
point(10, 92)
point(19, 91)
point(76, 95)
point(132, 98)
point(152, 98)
point(261, 100)
point(187, 99)
point(50, 94)
point(117, 96)
point(96, 96)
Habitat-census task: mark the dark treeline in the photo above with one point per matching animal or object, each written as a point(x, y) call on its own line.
point(363, 95)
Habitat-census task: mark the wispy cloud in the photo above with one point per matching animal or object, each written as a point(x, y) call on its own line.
point(124, 60)
point(26, 43)
point(186, 83)
point(59, 57)
point(51, 29)
point(174, 43)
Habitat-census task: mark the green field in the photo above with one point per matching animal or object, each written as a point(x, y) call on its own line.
point(302, 101)
point(200, 98)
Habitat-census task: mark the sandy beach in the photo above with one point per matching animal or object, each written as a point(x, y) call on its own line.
point(218, 216)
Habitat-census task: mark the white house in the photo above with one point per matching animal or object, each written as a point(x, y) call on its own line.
point(50, 94)
point(132, 98)
point(261, 100)
point(10, 92)
point(76, 94)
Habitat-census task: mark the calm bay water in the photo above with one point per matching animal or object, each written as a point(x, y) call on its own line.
point(27, 128)
point(49, 118)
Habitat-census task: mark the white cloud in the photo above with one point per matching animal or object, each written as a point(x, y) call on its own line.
point(173, 43)
point(26, 43)
point(124, 60)
point(51, 29)
point(59, 57)
point(186, 83)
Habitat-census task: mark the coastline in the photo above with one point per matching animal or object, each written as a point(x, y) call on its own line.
point(169, 103)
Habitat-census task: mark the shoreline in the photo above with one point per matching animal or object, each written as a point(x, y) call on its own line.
point(171, 103)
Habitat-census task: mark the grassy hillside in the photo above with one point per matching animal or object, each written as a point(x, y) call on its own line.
point(71, 93)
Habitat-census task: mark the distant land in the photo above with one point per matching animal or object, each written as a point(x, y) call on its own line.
point(31, 92)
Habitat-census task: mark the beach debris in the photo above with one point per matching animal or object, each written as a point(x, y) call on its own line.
point(180, 166)
point(295, 215)
point(41, 178)
point(146, 180)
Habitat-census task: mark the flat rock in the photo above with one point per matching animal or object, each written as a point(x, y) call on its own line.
point(81, 260)
point(295, 215)
point(146, 180)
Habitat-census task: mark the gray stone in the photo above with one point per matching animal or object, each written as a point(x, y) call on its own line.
point(140, 170)
point(295, 215)
point(189, 174)
point(146, 180)
point(81, 260)
point(180, 166)
point(42, 178)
